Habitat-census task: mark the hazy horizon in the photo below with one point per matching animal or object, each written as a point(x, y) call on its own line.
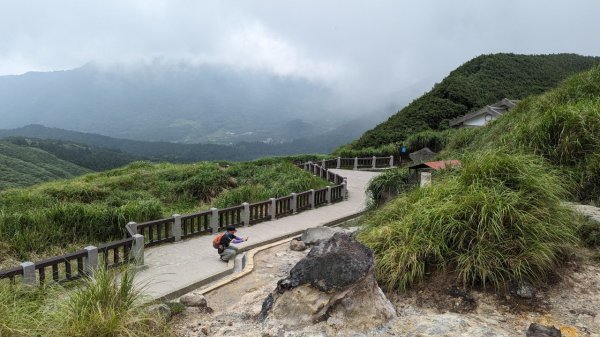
point(374, 55)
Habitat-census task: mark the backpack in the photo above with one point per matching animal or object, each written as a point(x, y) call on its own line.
point(217, 240)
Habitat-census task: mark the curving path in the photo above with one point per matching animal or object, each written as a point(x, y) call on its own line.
point(173, 269)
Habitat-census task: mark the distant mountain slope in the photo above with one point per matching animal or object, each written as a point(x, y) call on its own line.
point(168, 102)
point(90, 157)
point(483, 80)
point(176, 152)
point(22, 166)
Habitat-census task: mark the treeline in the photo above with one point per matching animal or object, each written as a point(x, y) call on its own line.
point(90, 157)
point(481, 81)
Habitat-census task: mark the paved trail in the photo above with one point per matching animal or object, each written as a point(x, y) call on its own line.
point(171, 268)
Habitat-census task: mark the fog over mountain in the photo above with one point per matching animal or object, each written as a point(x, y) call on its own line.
point(171, 102)
point(180, 70)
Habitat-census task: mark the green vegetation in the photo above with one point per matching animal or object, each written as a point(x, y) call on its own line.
point(390, 184)
point(346, 151)
point(102, 305)
point(483, 80)
point(24, 166)
point(90, 157)
point(95, 207)
point(501, 217)
point(498, 219)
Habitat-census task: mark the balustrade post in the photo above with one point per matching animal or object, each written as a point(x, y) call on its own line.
point(391, 161)
point(339, 162)
point(374, 162)
point(305, 167)
point(176, 227)
point(29, 273)
point(355, 163)
point(323, 164)
point(328, 195)
point(294, 203)
point(321, 170)
point(273, 208)
point(345, 188)
point(311, 199)
point(214, 220)
point(91, 260)
point(137, 251)
point(246, 214)
point(133, 226)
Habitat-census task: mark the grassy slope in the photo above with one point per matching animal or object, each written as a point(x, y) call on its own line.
point(481, 81)
point(24, 166)
point(500, 218)
point(95, 207)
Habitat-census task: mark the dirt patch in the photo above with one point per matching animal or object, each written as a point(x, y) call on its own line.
point(437, 308)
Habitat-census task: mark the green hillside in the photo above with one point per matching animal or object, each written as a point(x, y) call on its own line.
point(90, 157)
point(94, 208)
point(500, 218)
point(481, 81)
point(24, 166)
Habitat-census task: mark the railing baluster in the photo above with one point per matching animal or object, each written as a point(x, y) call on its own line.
point(68, 269)
point(55, 272)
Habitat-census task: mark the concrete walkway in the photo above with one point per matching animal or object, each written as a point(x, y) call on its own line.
point(175, 268)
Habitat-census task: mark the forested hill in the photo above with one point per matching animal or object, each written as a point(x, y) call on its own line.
point(90, 157)
point(481, 81)
point(23, 166)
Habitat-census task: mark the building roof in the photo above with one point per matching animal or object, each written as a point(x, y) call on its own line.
point(495, 110)
point(436, 165)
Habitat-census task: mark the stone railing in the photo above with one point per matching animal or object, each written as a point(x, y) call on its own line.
point(356, 163)
point(139, 235)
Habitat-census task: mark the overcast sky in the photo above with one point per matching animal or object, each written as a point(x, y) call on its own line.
point(367, 49)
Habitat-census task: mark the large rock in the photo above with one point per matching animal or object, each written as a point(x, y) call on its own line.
point(312, 236)
point(336, 283)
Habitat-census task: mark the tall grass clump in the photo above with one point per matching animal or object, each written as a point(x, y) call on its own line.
point(497, 219)
point(390, 184)
point(432, 139)
point(107, 305)
point(21, 310)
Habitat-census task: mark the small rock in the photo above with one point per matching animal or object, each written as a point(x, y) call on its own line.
point(193, 300)
point(270, 266)
point(297, 245)
point(523, 290)
point(160, 310)
point(279, 254)
point(538, 330)
point(205, 330)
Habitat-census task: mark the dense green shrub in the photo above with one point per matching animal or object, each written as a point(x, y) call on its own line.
point(349, 151)
point(496, 220)
point(390, 184)
point(434, 140)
